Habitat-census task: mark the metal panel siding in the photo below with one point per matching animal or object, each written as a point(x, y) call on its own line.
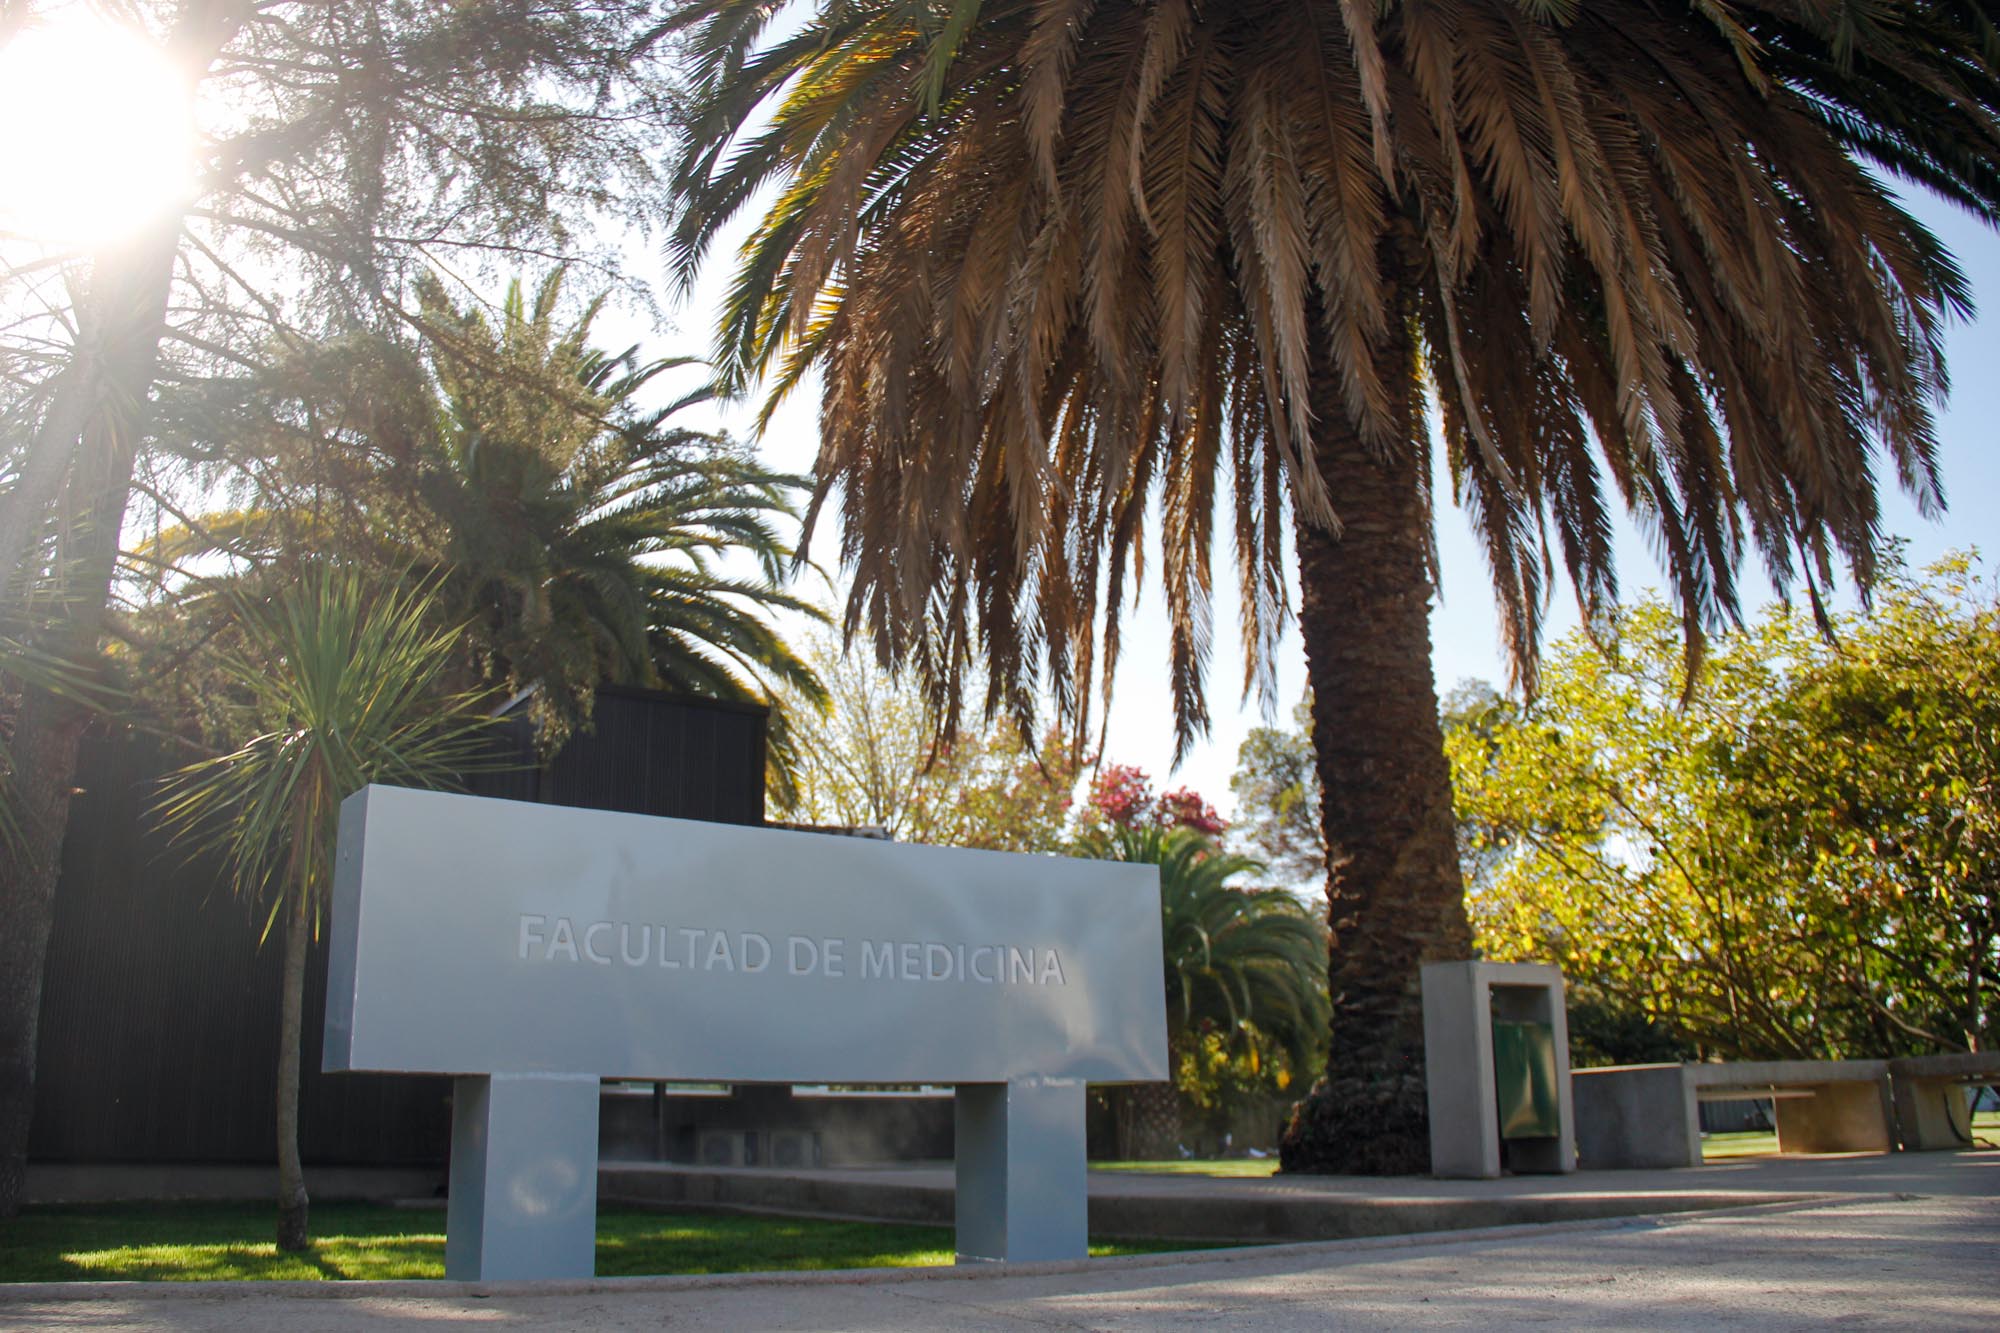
point(160, 1011)
point(653, 754)
point(159, 1028)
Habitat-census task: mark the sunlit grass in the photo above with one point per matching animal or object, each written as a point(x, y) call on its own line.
point(1232, 1168)
point(1744, 1143)
point(231, 1242)
point(1764, 1143)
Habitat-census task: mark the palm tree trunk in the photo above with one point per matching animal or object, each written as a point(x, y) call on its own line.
point(1396, 899)
point(293, 1223)
point(128, 310)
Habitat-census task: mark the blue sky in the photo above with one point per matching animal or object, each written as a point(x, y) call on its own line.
point(1464, 628)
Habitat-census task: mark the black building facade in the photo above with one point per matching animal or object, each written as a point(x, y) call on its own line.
point(160, 1009)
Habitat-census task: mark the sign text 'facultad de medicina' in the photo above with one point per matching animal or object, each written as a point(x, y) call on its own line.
point(631, 944)
point(502, 937)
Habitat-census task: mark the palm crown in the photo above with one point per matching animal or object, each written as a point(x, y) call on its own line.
point(1236, 960)
point(589, 536)
point(584, 537)
point(1051, 254)
point(1062, 260)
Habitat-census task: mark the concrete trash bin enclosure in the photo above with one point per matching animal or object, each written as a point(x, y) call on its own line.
point(1496, 1057)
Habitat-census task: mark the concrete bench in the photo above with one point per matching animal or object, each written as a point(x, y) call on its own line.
point(1819, 1105)
point(1929, 1093)
point(1647, 1116)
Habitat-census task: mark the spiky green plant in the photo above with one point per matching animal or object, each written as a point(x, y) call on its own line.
point(336, 684)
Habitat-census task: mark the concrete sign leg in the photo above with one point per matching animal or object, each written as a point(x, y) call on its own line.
point(523, 1178)
point(1022, 1183)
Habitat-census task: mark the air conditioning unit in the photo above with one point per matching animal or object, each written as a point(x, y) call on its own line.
point(792, 1148)
point(722, 1147)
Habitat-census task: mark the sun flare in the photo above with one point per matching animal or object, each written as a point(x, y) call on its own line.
point(98, 138)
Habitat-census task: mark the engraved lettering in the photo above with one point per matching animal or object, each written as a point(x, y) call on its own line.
point(763, 946)
point(531, 932)
point(718, 953)
point(590, 949)
point(562, 939)
point(910, 969)
point(976, 974)
point(877, 960)
point(1020, 967)
point(625, 944)
point(829, 957)
point(800, 949)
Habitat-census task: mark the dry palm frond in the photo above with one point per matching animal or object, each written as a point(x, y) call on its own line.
point(1074, 267)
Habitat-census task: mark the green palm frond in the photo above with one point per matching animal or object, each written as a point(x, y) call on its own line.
point(1234, 959)
point(337, 684)
point(591, 536)
point(586, 534)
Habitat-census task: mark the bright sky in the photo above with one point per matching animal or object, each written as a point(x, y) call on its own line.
point(99, 136)
point(1464, 627)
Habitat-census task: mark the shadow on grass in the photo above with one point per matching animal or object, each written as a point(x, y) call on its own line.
point(228, 1242)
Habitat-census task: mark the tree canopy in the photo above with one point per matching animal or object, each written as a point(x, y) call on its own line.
point(1794, 852)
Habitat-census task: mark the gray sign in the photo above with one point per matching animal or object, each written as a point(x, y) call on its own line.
point(536, 948)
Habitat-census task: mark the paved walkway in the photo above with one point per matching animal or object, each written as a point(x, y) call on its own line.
point(1899, 1242)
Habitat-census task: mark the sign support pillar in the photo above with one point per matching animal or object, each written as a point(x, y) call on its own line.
point(523, 1177)
point(1022, 1193)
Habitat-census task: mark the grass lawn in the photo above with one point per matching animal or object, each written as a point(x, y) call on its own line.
point(1744, 1143)
point(1232, 1168)
point(193, 1241)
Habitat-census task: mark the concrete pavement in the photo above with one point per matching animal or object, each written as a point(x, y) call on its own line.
point(1901, 1242)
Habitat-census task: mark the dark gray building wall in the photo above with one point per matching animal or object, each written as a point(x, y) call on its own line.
point(160, 1010)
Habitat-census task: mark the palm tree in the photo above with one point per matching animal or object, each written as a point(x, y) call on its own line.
point(1060, 260)
point(335, 684)
point(1247, 963)
point(587, 539)
point(587, 536)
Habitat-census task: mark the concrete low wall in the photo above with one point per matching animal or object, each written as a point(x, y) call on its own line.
point(1636, 1117)
point(1174, 1208)
point(848, 1128)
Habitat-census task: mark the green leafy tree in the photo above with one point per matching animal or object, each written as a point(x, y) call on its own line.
point(1277, 801)
point(871, 758)
point(1244, 970)
point(1874, 776)
point(1057, 263)
point(1790, 854)
point(341, 147)
point(336, 685)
